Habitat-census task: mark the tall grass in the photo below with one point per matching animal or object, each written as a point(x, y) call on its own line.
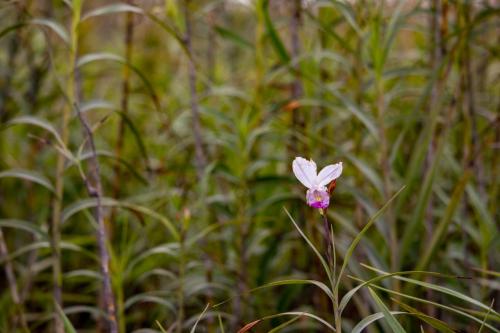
point(168, 128)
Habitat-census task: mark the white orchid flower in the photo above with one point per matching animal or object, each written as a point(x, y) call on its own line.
point(306, 172)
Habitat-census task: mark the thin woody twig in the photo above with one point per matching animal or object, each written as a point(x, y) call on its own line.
point(11, 281)
point(94, 189)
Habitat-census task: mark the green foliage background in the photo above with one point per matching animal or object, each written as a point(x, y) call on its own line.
point(405, 93)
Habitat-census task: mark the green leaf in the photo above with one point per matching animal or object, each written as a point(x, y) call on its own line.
point(13, 27)
point(96, 104)
point(367, 321)
point(367, 171)
point(122, 161)
point(110, 202)
point(410, 229)
point(112, 9)
point(102, 104)
point(148, 298)
point(486, 221)
point(24, 225)
point(301, 314)
point(347, 297)
point(279, 47)
point(221, 326)
point(137, 136)
point(92, 57)
point(232, 36)
point(389, 317)
point(395, 24)
point(285, 324)
point(83, 273)
point(442, 227)
point(54, 26)
point(170, 249)
point(193, 329)
point(349, 14)
point(191, 241)
point(43, 245)
point(311, 245)
point(360, 235)
point(441, 326)
point(483, 324)
point(105, 56)
point(163, 330)
point(38, 122)
point(440, 305)
point(318, 284)
point(68, 327)
point(356, 110)
point(441, 289)
point(30, 176)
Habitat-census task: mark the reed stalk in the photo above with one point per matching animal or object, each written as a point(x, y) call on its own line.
point(125, 97)
point(57, 201)
point(200, 158)
point(296, 91)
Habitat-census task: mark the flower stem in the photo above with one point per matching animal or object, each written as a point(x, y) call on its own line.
point(328, 241)
point(332, 263)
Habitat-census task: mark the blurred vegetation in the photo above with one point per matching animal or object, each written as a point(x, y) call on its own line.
point(160, 134)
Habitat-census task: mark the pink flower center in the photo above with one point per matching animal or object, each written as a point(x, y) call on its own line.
point(318, 198)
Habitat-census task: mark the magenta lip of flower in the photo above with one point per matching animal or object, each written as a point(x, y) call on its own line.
point(318, 198)
point(318, 204)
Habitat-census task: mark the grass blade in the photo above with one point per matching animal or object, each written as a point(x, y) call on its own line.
point(110, 202)
point(441, 289)
point(367, 321)
point(199, 318)
point(68, 326)
point(360, 235)
point(389, 317)
point(443, 224)
point(279, 47)
point(30, 176)
point(441, 326)
point(111, 9)
point(311, 245)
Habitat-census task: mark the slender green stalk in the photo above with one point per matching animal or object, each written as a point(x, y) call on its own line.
point(57, 201)
point(472, 156)
point(211, 50)
point(298, 122)
point(379, 48)
point(195, 113)
point(386, 172)
point(181, 277)
point(332, 261)
point(438, 19)
point(125, 96)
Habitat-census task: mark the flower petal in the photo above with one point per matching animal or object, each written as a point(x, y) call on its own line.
point(329, 173)
point(305, 171)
